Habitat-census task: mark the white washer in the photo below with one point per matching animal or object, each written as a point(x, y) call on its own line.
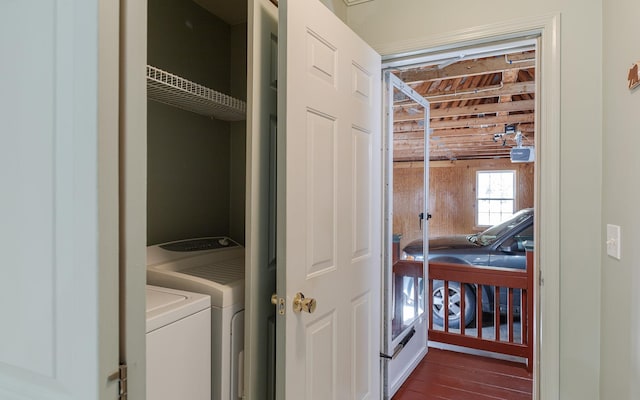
point(178, 345)
point(212, 266)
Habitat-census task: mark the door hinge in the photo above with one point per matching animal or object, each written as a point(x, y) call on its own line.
point(121, 376)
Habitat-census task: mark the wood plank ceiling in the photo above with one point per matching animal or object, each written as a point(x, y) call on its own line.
point(472, 103)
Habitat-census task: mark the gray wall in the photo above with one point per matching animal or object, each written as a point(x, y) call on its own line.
point(385, 22)
point(189, 156)
point(620, 329)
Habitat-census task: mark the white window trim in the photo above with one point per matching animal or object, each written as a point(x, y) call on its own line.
point(514, 198)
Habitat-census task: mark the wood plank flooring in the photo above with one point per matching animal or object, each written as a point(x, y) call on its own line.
point(448, 375)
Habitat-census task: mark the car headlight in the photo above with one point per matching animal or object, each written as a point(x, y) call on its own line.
point(407, 257)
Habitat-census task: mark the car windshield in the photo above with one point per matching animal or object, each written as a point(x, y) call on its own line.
point(490, 235)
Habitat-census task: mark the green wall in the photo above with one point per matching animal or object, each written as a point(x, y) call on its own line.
point(238, 149)
point(389, 23)
point(190, 170)
point(620, 329)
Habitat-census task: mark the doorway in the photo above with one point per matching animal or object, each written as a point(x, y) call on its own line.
point(483, 116)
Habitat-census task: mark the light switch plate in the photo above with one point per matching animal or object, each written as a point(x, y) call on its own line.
point(613, 241)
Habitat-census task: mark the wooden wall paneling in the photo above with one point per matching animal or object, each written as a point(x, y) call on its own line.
point(452, 200)
point(408, 195)
point(452, 195)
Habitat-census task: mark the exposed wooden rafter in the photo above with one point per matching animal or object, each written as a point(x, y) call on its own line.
point(472, 102)
point(407, 114)
point(462, 69)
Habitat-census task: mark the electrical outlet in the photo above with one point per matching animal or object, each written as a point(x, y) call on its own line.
point(613, 241)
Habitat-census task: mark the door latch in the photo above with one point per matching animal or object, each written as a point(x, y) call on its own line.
point(421, 217)
point(279, 302)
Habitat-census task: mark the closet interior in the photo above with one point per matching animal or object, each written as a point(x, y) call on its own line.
point(196, 167)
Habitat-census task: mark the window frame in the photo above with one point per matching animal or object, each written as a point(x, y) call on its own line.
point(478, 198)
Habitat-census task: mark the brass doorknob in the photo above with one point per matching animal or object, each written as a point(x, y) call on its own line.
point(301, 303)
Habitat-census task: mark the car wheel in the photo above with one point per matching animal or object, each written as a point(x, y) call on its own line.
point(453, 308)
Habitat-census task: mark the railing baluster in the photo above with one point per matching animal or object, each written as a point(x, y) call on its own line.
point(445, 305)
point(479, 311)
point(429, 305)
point(510, 314)
point(524, 311)
point(463, 307)
point(496, 312)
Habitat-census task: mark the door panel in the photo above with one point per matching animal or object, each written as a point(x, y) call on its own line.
point(361, 205)
point(58, 211)
point(329, 191)
point(321, 342)
point(321, 214)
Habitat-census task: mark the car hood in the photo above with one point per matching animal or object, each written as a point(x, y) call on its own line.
point(451, 242)
point(440, 243)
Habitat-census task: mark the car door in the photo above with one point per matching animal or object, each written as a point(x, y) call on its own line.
point(509, 251)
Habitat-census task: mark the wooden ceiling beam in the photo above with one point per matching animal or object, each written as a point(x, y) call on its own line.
point(448, 157)
point(437, 155)
point(411, 114)
point(463, 68)
point(488, 144)
point(453, 143)
point(526, 129)
point(406, 145)
point(416, 125)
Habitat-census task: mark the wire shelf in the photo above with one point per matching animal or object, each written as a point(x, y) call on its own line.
point(167, 88)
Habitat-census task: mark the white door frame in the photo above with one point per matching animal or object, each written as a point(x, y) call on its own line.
point(133, 192)
point(547, 179)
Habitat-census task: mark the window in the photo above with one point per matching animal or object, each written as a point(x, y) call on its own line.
point(495, 199)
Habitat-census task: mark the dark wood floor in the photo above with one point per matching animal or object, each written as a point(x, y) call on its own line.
point(449, 375)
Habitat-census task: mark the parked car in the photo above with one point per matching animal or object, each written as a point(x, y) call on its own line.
point(502, 245)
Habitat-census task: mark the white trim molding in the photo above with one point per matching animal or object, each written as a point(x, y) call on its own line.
point(354, 2)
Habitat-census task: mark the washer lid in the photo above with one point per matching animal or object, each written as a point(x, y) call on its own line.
point(165, 306)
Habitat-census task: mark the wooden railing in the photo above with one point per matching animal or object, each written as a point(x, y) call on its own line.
point(494, 278)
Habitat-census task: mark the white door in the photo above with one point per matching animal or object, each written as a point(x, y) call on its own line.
point(405, 322)
point(329, 207)
point(260, 255)
point(58, 208)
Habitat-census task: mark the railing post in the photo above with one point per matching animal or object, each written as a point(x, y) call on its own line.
point(530, 316)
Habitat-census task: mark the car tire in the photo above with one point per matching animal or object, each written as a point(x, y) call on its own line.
point(454, 304)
